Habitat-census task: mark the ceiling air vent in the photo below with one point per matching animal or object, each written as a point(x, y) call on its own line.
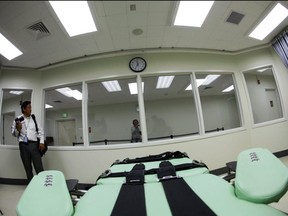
point(38, 30)
point(235, 18)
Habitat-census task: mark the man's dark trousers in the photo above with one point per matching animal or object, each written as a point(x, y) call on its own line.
point(29, 153)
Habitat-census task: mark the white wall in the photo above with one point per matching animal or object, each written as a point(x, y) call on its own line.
point(86, 163)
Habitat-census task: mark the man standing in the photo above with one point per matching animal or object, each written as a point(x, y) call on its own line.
point(136, 132)
point(24, 128)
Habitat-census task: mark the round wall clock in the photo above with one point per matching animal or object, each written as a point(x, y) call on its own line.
point(137, 64)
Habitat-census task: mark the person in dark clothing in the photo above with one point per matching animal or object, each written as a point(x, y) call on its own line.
point(136, 132)
point(24, 128)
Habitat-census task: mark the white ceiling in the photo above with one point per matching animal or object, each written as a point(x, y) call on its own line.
point(116, 22)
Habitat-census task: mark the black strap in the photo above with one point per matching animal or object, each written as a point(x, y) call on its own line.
point(131, 198)
point(159, 157)
point(180, 196)
point(194, 164)
point(34, 119)
point(45, 144)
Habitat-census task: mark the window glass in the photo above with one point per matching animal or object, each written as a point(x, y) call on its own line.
point(63, 115)
point(218, 101)
point(264, 94)
point(111, 111)
point(170, 110)
point(11, 108)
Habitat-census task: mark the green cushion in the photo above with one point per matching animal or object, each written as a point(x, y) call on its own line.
point(219, 195)
point(260, 176)
point(46, 195)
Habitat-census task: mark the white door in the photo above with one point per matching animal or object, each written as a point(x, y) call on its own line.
point(273, 104)
point(7, 138)
point(66, 132)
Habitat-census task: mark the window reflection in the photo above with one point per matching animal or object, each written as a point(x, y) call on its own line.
point(63, 109)
point(218, 101)
point(112, 106)
point(264, 94)
point(11, 108)
point(170, 109)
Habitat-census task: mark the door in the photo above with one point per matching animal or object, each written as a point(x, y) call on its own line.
point(66, 132)
point(8, 138)
point(273, 104)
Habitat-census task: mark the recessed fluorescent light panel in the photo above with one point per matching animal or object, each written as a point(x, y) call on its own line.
point(16, 92)
point(75, 16)
point(271, 21)
point(133, 88)
point(164, 81)
point(7, 49)
point(200, 82)
point(70, 93)
point(209, 79)
point(112, 86)
point(262, 70)
point(189, 88)
point(47, 106)
point(192, 13)
point(230, 88)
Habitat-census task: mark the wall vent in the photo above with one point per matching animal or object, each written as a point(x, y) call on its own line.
point(38, 30)
point(235, 17)
point(133, 7)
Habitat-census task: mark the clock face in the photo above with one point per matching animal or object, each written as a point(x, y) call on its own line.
point(137, 64)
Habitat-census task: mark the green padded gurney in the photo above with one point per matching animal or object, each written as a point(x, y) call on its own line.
point(218, 194)
point(260, 176)
point(46, 195)
point(214, 191)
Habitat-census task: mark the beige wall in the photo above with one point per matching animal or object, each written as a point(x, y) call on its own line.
point(86, 163)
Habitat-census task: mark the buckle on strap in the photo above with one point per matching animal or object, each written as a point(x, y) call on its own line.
point(136, 175)
point(166, 171)
point(106, 173)
point(168, 177)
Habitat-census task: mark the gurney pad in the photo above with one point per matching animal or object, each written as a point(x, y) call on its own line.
point(46, 195)
point(214, 191)
point(260, 176)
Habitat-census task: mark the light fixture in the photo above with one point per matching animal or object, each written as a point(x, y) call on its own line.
point(112, 86)
point(16, 92)
point(75, 16)
point(199, 83)
point(270, 22)
point(133, 88)
point(164, 81)
point(192, 13)
point(209, 79)
point(47, 106)
point(68, 92)
point(206, 81)
point(230, 88)
point(189, 88)
point(262, 70)
point(7, 49)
